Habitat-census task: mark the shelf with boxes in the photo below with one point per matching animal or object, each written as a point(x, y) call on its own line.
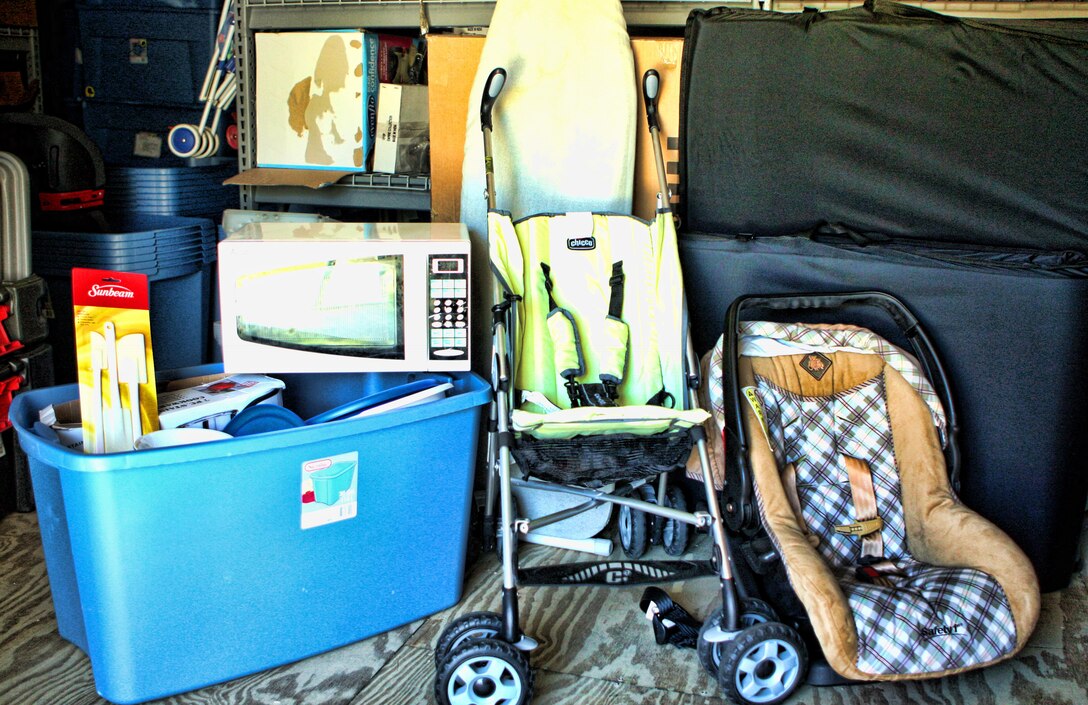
point(336, 180)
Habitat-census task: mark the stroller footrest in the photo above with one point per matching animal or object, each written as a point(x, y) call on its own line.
point(614, 573)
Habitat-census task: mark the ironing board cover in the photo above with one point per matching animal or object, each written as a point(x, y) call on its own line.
point(580, 249)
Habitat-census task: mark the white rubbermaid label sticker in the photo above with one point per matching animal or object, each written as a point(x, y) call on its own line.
point(330, 489)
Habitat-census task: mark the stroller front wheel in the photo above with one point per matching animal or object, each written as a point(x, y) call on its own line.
point(763, 665)
point(484, 672)
point(753, 611)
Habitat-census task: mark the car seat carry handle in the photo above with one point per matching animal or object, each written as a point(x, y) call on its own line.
point(492, 87)
point(896, 310)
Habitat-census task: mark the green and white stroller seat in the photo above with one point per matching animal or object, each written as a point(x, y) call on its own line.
point(600, 344)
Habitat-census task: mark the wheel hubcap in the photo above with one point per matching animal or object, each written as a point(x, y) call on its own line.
point(484, 681)
point(625, 526)
point(767, 671)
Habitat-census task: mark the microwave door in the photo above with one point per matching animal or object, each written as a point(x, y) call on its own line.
point(341, 307)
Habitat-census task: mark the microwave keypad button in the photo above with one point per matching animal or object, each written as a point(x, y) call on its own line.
point(460, 324)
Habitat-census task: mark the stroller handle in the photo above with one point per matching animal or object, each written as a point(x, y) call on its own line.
point(902, 316)
point(492, 87)
point(495, 81)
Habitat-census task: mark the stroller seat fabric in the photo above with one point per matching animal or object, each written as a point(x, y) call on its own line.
point(898, 579)
point(599, 386)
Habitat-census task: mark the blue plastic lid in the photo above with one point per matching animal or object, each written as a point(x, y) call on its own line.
point(371, 400)
point(263, 418)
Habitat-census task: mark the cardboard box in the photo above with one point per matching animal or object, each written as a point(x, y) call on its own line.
point(453, 61)
point(316, 97)
point(401, 143)
point(213, 403)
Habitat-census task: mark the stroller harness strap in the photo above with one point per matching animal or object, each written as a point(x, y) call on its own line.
point(869, 523)
point(569, 351)
point(789, 484)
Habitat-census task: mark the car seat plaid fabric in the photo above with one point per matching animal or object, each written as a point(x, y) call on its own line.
point(932, 620)
point(928, 618)
point(816, 434)
point(756, 335)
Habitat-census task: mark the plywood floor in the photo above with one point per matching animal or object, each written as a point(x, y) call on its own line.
point(596, 649)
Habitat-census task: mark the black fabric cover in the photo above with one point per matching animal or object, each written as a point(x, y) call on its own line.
point(887, 119)
point(1011, 330)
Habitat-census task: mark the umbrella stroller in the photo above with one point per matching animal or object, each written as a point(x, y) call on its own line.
point(594, 378)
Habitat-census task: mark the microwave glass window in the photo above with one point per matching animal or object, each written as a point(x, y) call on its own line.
point(344, 307)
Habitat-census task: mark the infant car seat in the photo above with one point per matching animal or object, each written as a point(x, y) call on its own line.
point(837, 455)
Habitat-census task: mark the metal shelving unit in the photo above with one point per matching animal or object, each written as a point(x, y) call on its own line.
point(413, 192)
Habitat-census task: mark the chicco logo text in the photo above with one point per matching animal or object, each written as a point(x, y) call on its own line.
point(110, 290)
point(931, 632)
point(581, 243)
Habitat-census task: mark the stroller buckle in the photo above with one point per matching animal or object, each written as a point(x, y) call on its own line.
point(593, 394)
point(861, 528)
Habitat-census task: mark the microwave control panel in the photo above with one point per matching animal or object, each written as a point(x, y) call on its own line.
point(448, 279)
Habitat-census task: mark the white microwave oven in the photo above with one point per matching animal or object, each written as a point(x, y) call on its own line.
point(345, 297)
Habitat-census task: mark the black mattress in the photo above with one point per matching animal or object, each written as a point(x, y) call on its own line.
point(886, 119)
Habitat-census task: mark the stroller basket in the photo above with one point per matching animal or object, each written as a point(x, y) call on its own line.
point(595, 461)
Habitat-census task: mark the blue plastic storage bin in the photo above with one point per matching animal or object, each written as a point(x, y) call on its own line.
point(145, 54)
point(181, 567)
point(180, 316)
point(191, 190)
point(177, 254)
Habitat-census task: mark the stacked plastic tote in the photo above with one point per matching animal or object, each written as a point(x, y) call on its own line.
point(176, 253)
point(25, 360)
point(143, 64)
point(195, 190)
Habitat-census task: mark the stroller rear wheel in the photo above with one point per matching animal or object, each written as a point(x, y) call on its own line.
point(634, 526)
point(484, 672)
point(674, 534)
point(763, 665)
point(753, 611)
point(467, 627)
